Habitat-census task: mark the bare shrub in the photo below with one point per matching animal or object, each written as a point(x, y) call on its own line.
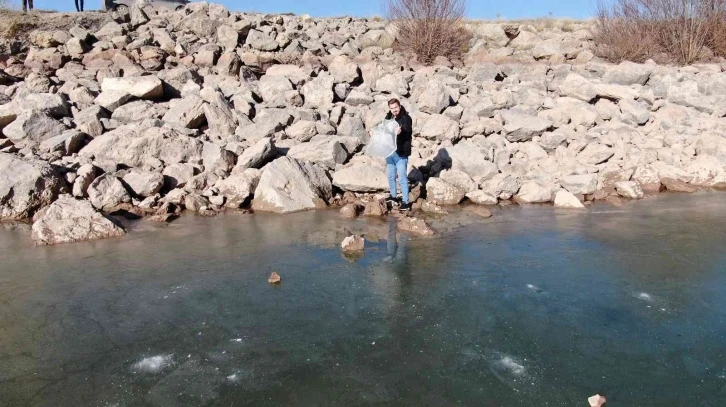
point(429, 28)
point(637, 30)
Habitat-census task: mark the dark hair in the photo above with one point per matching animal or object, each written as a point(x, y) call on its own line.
point(394, 101)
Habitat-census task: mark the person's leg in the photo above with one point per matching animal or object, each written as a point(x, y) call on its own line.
point(25, 6)
point(402, 167)
point(391, 173)
point(77, 8)
point(30, 4)
point(81, 5)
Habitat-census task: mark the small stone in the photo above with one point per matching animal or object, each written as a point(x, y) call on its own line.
point(677, 186)
point(274, 278)
point(349, 211)
point(629, 189)
point(596, 400)
point(353, 243)
point(375, 208)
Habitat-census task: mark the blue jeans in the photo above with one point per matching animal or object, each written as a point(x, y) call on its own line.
point(396, 164)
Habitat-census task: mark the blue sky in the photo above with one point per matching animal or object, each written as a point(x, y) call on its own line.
point(479, 9)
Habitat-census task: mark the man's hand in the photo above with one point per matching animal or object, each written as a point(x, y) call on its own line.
point(370, 133)
point(398, 131)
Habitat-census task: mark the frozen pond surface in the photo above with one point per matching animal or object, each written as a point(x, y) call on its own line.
point(531, 307)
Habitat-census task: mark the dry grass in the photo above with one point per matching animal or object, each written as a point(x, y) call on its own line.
point(681, 31)
point(18, 24)
point(429, 28)
point(542, 23)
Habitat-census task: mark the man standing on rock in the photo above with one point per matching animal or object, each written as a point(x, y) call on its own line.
point(397, 163)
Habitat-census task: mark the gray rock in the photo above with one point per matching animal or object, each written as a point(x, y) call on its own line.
point(520, 127)
point(634, 112)
point(227, 37)
point(239, 188)
point(273, 88)
point(54, 104)
point(195, 202)
point(482, 73)
point(357, 97)
point(580, 184)
point(361, 177)
point(534, 192)
point(220, 121)
point(318, 92)
point(142, 87)
point(577, 87)
point(107, 192)
point(502, 186)
point(440, 127)
point(480, 197)
point(112, 99)
point(261, 41)
point(136, 111)
point(177, 175)
point(288, 185)
point(146, 148)
point(293, 73)
point(628, 73)
point(143, 183)
point(84, 177)
point(595, 153)
point(468, 157)
point(256, 156)
point(434, 98)
point(70, 220)
point(344, 70)
point(26, 185)
point(187, 112)
point(33, 127)
point(323, 150)
point(441, 192)
point(66, 143)
point(493, 34)
point(352, 126)
point(392, 83)
point(302, 130)
point(566, 200)
point(629, 189)
point(216, 159)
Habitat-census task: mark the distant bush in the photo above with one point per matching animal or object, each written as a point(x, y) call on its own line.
point(429, 28)
point(682, 31)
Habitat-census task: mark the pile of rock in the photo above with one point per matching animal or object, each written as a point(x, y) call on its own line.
point(205, 109)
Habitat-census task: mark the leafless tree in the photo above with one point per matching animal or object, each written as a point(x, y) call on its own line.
point(429, 28)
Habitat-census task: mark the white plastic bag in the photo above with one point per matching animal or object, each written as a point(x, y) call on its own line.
point(383, 140)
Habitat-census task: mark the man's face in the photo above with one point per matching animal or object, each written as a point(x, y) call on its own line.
point(395, 109)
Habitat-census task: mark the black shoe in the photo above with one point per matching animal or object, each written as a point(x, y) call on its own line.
point(391, 200)
point(405, 207)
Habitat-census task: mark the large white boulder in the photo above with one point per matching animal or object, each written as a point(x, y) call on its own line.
point(71, 220)
point(288, 185)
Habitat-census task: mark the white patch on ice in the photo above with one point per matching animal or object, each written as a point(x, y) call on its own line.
point(153, 364)
point(534, 288)
point(236, 340)
point(233, 377)
point(509, 364)
point(644, 297)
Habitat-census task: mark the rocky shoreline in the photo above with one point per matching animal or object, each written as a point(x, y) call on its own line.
point(206, 110)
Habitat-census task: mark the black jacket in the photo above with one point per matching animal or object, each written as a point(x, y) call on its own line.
point(403, 140)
